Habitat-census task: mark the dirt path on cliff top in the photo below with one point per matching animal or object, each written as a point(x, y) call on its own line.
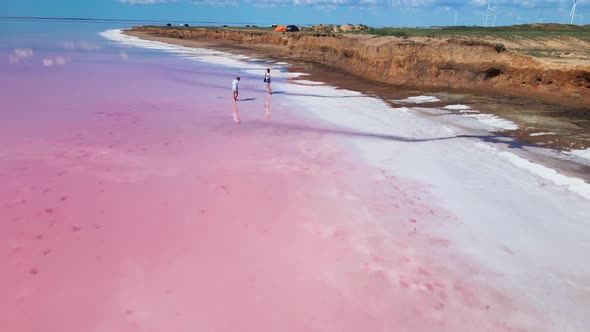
point(565, 52)
point(560, 53)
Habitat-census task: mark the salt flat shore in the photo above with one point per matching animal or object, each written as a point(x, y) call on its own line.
point(558, 107)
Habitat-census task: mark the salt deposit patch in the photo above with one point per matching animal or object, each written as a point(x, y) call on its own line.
point(493, 122)
point(403, 110)
point(575, 185)
point(418, 100)
point(542, 134)
point(309, 83)
point(585, 154)
point(457, 107)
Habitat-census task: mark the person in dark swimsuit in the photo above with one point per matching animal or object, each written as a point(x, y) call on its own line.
point(267, 81)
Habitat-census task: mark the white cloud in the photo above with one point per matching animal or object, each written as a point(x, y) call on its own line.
point(47, 62)
point(23, 52)
point(80, 45)
point(18, 54)
point(60, 61)
point(50, 62)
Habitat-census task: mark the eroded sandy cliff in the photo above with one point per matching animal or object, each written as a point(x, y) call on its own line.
point(419, 62)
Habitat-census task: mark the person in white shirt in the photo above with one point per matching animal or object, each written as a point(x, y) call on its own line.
point(234, 87)
point(267, 81)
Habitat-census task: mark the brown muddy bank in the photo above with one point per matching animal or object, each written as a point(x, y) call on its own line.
point(418, 62)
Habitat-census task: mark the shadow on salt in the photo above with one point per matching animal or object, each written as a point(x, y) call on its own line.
point(484, 121)
point(490, 121)
point(582, 155)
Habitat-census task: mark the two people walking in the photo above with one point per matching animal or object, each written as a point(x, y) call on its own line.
point(236, 81)
point(235, 91)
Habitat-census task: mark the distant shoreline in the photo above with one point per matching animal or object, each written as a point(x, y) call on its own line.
point(87, 19)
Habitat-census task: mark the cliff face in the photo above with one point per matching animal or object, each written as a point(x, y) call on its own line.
point(419, 62)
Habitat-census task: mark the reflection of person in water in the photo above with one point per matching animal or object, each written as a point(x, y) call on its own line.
point(236, 112)
point(267, 106)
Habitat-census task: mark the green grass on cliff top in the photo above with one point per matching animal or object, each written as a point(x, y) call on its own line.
point(525, 30)
point(508, 32)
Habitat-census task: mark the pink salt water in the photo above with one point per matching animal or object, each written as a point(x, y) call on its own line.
point(132, 201)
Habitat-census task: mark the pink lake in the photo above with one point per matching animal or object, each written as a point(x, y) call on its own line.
point(132, 201)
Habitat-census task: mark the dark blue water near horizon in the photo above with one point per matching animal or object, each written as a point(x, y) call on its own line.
point(131, 22)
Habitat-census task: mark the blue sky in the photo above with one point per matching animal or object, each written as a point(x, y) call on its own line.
point(370, 12)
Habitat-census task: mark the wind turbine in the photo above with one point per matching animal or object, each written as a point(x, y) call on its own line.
point(573, 13)
point(489, 13)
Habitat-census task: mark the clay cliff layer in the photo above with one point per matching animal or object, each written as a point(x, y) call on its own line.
point(420, 62)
